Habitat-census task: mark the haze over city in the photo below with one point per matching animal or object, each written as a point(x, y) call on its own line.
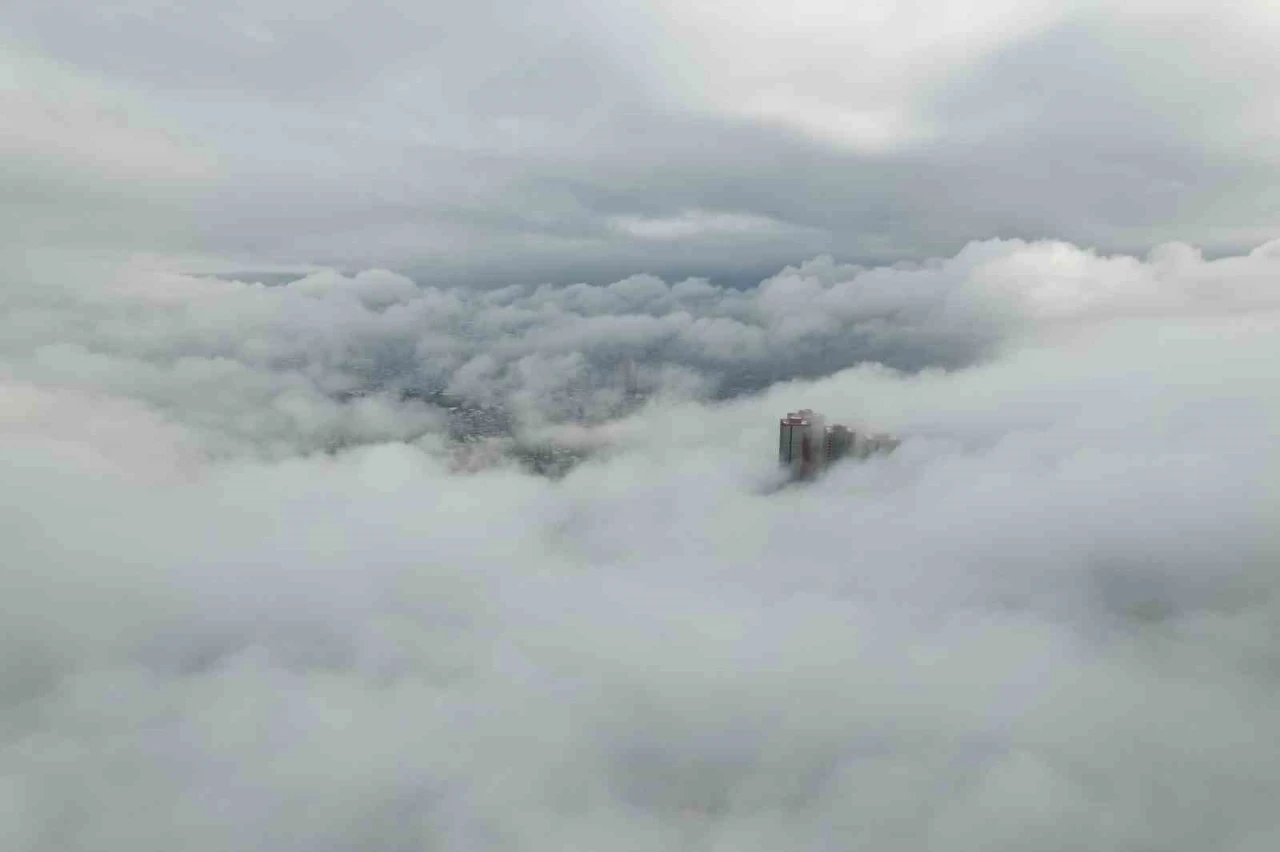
point(389, 426)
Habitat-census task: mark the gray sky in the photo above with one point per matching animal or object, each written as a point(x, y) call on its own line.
point(493, 142)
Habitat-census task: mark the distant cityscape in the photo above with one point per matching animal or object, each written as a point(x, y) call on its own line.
point(807, 445)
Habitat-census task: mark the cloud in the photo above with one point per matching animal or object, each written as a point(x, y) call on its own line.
point(1046, 619)
point(328, 360)
point(281, 566)
point(849, 77)
point(58, 117)
point(694, 223)
point(503, 143)
point(87, 167)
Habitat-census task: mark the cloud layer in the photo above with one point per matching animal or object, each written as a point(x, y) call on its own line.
point(251, 603)
point(328, 360)
point(504, 142)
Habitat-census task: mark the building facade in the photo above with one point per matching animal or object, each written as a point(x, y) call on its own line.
point(800, 442)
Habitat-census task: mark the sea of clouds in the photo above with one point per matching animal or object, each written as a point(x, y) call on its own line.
point(252, 600)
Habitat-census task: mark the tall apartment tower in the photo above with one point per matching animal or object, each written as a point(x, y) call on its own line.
point(801, 448)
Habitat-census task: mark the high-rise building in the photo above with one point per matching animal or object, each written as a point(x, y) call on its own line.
point(836, 443)
point(806, 445)
point(800, 445)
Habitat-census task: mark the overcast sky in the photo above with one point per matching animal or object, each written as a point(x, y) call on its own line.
point(569, 140)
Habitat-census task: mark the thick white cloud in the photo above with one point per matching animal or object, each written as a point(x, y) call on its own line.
point(251, 366)
point(1048, 620)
